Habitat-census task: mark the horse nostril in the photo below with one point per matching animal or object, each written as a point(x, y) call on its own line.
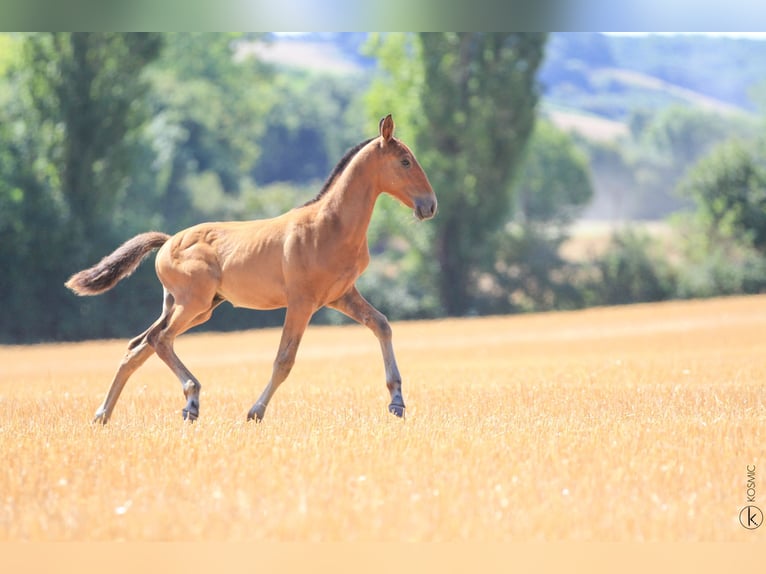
point(425, 209)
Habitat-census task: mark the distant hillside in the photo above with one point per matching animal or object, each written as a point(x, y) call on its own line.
point(610, 76)
point(587, 125)
point(591, 82)
point(334, 52)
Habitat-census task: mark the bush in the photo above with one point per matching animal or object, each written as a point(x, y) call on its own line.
point(632, 270)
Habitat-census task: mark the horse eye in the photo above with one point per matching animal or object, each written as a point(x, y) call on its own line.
point(406, 162)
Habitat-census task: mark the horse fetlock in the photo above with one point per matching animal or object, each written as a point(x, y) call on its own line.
point(394, 386)
point(192, 388)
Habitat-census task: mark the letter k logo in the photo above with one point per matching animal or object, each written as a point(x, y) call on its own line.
point(751, 517)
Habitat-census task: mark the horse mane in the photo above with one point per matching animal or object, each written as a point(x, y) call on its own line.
point(338, 169)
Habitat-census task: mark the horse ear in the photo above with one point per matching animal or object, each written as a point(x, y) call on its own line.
point(387, 128)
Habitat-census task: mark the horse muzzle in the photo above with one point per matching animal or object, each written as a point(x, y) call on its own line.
point(425, 208)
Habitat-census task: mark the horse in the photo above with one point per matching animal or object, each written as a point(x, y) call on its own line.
point(305, 259)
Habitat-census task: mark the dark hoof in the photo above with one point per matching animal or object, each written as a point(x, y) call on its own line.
point(191, 411)
point(100, 418)
point(256, 413)
point(397, 410)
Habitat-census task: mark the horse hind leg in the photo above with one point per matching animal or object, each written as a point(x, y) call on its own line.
point(139, 350)
point(181, 319)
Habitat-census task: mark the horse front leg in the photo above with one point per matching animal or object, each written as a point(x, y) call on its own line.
point(296, 321)
point(361, 311)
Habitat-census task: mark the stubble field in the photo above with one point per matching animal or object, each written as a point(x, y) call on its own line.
point(623, 424)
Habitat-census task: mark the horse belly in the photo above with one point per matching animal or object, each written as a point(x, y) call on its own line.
point(253, 278)
point(253, 290)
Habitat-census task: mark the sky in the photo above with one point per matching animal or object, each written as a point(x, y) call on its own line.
point(749, 35)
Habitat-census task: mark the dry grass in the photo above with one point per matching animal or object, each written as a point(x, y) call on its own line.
point(632, 423)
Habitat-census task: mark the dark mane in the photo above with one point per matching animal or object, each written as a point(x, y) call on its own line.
point(338, 169)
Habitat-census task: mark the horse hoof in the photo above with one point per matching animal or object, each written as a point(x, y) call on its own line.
point(397, 410)
point(191, 417)
point(256, 413)
point(191, 412)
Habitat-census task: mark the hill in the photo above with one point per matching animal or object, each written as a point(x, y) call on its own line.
point(612, 75)
point(591, 82)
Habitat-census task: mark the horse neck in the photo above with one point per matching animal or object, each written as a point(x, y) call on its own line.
point(351, 199)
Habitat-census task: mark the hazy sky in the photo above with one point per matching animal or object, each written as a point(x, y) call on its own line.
point(751, 35)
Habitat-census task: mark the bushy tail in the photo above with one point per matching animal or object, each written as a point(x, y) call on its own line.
point(120, 264)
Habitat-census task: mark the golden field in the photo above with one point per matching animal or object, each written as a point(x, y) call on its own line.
point(619, 424)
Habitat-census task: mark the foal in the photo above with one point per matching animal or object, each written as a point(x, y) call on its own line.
point(305, 259)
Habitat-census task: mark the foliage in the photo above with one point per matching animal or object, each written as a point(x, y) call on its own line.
point(551, 188)
point(725, 237)
point(717, 268)
point(636, 177)
point(309, 127)
point(67, 145)
point(632, 270)
point(681, 135)
point(467, 105)
point(208, 116)
point(398, 85)
point(553, 183)
point(85, 91)
point(103, 136)
point(728, 188)
point(479, 96)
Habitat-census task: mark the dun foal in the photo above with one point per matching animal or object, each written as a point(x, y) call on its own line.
point(305, 259)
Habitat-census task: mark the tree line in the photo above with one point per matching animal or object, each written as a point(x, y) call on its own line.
point(105, 135)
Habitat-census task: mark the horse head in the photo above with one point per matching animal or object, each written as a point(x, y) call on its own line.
point(400, 174)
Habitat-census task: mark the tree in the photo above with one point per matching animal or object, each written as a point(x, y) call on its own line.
point(682, 134)
point(209, 108)
point(466, 103)
point(728, 187)
point(307, 130)
point(551, 188)
point(68, 140)
point(87, 91)
point(478, 100)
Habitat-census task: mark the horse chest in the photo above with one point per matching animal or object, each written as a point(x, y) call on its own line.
point(327, 278)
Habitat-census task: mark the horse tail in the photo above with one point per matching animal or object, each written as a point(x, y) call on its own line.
point(120, 264)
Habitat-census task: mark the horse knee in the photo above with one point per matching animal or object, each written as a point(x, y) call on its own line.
point(380, 326)
point(284, 362)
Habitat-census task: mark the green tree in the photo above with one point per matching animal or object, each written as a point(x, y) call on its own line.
point(478, 101)
point(68, 138)
point(209, 108)
point(724, 239)
point(683, 134)
point(309, 127)
point(466, 102)
point(551, 188)
point(728, 188)
point(88, 91)
point(634, 268)
point(34, 246)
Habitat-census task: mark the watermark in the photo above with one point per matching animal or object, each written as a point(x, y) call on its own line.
point(750, 517)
